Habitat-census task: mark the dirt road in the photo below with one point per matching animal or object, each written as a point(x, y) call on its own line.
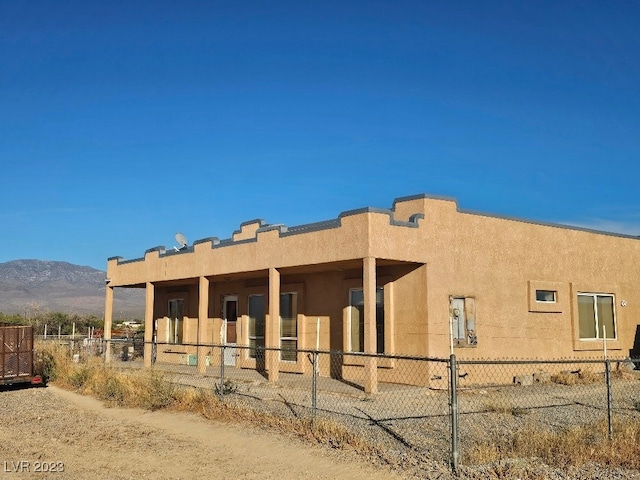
point(53, 433)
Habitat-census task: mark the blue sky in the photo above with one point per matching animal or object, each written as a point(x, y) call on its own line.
point(122, 123)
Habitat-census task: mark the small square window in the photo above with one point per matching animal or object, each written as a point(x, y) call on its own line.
point(546, 296)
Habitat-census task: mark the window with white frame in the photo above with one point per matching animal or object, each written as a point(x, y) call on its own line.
point(175, 323)
point(596, 315)
point(256, 323)
point(288, 326)
point(356, 320)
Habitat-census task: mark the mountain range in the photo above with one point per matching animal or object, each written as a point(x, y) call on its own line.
point(62, 287)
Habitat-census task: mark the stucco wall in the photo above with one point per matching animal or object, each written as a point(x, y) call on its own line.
point(426, 250)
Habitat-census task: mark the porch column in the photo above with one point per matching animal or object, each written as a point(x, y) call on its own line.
point(272, 327)
point(148, 323)
point(108, 322)
point(203, 318)
point(369, 293)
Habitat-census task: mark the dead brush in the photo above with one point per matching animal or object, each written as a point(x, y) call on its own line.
point(321, 431)
point(198, 400)
point(151, 390)
point(572, 446)
point(53, 359)
point(622, 374)
point(504, 406)
point(337, 435)
point(579, 377)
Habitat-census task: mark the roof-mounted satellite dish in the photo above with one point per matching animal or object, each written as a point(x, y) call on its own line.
point(182, 241)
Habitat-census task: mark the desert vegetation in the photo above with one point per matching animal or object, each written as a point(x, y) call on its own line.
point(152, 390)
point(566, 448)
point(55, 321)
point(66, 323)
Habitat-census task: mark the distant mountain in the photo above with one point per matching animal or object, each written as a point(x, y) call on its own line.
point(62, 287)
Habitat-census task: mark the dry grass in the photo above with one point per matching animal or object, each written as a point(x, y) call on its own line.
point(580, 377)
point(151, 390)
point(574, 446)
point(503, 405)
point(569, 447)
point(622, 374)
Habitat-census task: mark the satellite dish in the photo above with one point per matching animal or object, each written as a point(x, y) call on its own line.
point(182, 241)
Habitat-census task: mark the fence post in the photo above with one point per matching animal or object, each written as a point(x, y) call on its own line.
point(221, 392)
point(453, 407)
point(607, 371)
point(314, 383)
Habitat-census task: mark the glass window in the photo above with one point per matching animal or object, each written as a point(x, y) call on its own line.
point(596, 316)
point(175, 323)
point(256, 324)
point(288, 327)
point(548, 296)
point(356, 320)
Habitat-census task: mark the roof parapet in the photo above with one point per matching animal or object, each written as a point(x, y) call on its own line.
point(250, 229)
point(160, 249)
point(212, 240)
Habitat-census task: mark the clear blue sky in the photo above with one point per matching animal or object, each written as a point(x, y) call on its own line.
point(122, 123)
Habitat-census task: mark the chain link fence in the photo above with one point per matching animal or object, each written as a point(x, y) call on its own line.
point(502, 402)
point(442, 409)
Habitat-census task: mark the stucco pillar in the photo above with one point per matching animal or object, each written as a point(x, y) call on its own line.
point(148, 323)
point(108, 322)
point(203, 318)
point(369, 293)
point(272, 327)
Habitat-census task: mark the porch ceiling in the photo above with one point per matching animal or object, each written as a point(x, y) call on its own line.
point(353, 264)
point(346, 265)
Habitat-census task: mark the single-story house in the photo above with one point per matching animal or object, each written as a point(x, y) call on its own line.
point(419, 279)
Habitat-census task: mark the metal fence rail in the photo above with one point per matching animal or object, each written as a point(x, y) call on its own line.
point(437, 408)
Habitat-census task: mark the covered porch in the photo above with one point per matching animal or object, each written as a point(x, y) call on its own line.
point(361, 307)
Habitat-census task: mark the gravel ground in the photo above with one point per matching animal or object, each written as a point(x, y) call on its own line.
point(410, 426)
point(415, 448)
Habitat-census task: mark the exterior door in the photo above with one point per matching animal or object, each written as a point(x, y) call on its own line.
point(230, 315)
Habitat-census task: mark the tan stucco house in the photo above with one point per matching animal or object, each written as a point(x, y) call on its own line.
point(416, 279)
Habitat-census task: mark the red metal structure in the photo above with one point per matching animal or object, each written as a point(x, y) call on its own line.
point(17, 355)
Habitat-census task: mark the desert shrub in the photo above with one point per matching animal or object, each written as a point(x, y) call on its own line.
point(228, 387)
point(580, 377)
point(53, 361)
point(565, 447)
point(198, 400)
point(111, 388)
point(50, 360)
point(79, 377)
point(335, 434)
point(622, 373)
point(151, 390)
point(502, 405)
point(45, 365)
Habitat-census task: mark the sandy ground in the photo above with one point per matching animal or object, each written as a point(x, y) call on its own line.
point(46, 429)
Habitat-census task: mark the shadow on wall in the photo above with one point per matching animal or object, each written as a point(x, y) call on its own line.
point(634, 353)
